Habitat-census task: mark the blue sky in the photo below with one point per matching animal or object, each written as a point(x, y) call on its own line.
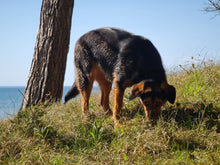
point(179, 30)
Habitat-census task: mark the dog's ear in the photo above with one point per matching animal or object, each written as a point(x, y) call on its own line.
point(138, 89)
point(170, 92)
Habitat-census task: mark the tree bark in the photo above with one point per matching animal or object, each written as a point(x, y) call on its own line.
point(46, 77)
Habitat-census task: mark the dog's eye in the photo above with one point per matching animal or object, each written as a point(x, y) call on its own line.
point(146, 104)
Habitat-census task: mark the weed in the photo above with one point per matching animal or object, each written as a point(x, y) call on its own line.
point(42, 132)
point(97, 131)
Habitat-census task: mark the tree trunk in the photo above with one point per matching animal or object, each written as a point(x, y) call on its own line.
point(47, 71)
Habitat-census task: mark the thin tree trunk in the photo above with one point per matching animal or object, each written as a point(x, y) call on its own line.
point(47, 71)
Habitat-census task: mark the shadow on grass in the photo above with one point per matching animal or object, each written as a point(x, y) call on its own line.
point(188, 115)
point(83, 136)
point(92, 133)
point(194, 115)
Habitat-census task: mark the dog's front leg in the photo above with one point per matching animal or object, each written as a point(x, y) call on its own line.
point(117, 103)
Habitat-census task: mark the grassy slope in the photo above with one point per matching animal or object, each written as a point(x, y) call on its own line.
point(187, 132)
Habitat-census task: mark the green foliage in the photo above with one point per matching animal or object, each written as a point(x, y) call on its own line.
point(42, 132)
point(186, 133)
point(97, 131)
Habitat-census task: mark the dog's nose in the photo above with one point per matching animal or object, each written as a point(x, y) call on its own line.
point(152, 115)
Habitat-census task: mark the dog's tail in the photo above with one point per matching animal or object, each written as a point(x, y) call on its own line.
point(73, 92)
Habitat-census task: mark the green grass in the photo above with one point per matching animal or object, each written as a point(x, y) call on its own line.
point(186, 133)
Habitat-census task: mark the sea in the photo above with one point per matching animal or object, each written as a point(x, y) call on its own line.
point(11, 99)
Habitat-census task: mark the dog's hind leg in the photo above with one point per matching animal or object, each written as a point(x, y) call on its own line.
point(105, 90)
point(85, 95)
point(105, 87)
point(84, 84)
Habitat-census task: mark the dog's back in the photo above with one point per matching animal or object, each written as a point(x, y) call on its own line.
point(119, 52)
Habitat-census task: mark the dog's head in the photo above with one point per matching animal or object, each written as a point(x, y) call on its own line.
point(153, 96)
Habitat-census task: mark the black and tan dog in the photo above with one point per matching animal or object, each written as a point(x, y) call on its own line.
point(111, 55)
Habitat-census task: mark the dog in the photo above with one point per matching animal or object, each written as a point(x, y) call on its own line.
point(115, 56)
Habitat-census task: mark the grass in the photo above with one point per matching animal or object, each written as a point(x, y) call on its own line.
point(186, 133)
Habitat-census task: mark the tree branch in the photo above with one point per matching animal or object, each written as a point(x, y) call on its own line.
point(214, 6)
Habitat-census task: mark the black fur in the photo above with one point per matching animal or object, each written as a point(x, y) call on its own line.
point(73, 91)
point(118, 53)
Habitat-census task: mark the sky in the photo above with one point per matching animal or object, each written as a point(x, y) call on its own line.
point(178, 29)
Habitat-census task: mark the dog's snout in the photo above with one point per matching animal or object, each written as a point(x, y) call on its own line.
point(151, 114)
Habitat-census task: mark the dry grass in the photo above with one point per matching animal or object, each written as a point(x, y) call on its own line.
point(187, 132)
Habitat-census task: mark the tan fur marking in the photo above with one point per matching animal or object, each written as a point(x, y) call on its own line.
point(152, 108)
point(138, 89)
point(117, 103)
point(85, 94)
point(139, 86)
point(104, 85)
point(147, 90)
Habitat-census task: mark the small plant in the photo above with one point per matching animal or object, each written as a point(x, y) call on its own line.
point(125, 157)
point(97, 131)
point(92, 104)
point(43, 132)
point(194, 91)
point(56, 161)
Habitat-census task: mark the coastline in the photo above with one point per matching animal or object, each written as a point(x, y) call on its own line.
point(11, 99)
